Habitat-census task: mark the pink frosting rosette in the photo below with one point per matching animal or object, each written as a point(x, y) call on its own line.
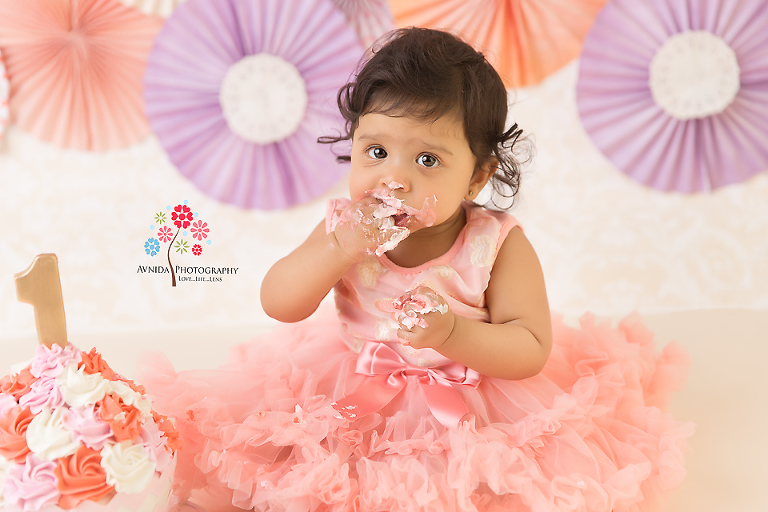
point(51, 361)
point(31, 485)
point(7, 402)
point(42, 393)
point(152, 439)
point(86, 426)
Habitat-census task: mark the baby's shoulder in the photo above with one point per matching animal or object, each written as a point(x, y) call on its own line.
point(482, 222)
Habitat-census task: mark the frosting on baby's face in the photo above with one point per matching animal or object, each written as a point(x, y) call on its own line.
point(397, 218)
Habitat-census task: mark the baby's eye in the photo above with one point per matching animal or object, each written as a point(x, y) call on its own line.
point(377, 153)
point(427, 160)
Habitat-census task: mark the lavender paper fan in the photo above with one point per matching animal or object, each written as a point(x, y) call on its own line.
point(238, 91)
point(5, 90)
point(675, 94)
point(371, 19)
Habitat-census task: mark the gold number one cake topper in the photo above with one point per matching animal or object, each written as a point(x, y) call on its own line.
point(40, 286)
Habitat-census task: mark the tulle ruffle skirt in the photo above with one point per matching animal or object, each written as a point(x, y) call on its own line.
point(586, 434)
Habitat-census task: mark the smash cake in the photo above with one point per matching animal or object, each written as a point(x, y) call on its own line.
point(74, 434)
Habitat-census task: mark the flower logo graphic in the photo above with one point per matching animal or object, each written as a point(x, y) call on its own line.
point(152, 246)
point(200, 230)
point(182, 217)
point(165, 234)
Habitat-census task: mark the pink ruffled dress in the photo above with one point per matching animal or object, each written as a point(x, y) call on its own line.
point(334, 414)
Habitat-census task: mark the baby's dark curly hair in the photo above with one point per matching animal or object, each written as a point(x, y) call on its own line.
point(426, 74)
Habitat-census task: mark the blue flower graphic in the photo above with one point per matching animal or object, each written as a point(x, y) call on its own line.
point(152, 246)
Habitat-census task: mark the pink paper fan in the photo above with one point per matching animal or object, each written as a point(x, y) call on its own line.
point(5, 88)
point(75, 70)
point(525, 40)
point(239, 91)
point(371, 19)
point(675, 94)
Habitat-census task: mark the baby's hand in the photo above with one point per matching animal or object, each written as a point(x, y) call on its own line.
point(363, 230)
point(426, 320)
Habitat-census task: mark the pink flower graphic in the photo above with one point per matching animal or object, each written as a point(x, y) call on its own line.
point(197, 250)
point(182, 216)
point(165, 234)
point(200, 230)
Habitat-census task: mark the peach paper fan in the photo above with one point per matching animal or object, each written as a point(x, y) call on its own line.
point(525, 40)
point(76, 70)
point(162, 8)
point(5, 88)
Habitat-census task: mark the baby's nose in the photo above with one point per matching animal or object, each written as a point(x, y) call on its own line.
point(394, 180)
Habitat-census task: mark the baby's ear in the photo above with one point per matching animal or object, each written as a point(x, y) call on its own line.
point(480, 177)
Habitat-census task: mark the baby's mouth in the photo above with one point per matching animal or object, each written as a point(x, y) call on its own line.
point(400, 212)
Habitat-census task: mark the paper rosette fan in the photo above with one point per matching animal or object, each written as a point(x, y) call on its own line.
point(371, 19)
point(675, 94)
point(238, 92)
point(525, 40)
point(162, 8)
point(5, 88)
point(75, 69)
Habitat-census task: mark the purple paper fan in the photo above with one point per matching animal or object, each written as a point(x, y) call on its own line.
point(675, 94)
point(238, 92)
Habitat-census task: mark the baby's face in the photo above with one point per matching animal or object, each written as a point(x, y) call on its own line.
point(426, 158)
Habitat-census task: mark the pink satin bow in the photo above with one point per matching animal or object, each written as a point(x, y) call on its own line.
point(390, 372)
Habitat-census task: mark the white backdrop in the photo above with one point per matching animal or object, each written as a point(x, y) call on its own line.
point(607, 244)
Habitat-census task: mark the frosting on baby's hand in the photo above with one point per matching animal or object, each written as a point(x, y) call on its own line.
point(417, 301)
point(379, 221)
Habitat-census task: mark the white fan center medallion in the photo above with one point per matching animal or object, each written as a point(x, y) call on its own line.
point(694, 74)
point(263, 98)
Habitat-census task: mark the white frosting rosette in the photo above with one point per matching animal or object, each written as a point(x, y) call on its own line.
point(47, 438)
point(129, 467)
point(79, 388)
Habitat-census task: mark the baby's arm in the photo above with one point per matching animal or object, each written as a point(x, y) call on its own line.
point(517, 341)
point(295, 285)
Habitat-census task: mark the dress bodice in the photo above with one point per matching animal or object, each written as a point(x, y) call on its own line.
point(461, 276)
